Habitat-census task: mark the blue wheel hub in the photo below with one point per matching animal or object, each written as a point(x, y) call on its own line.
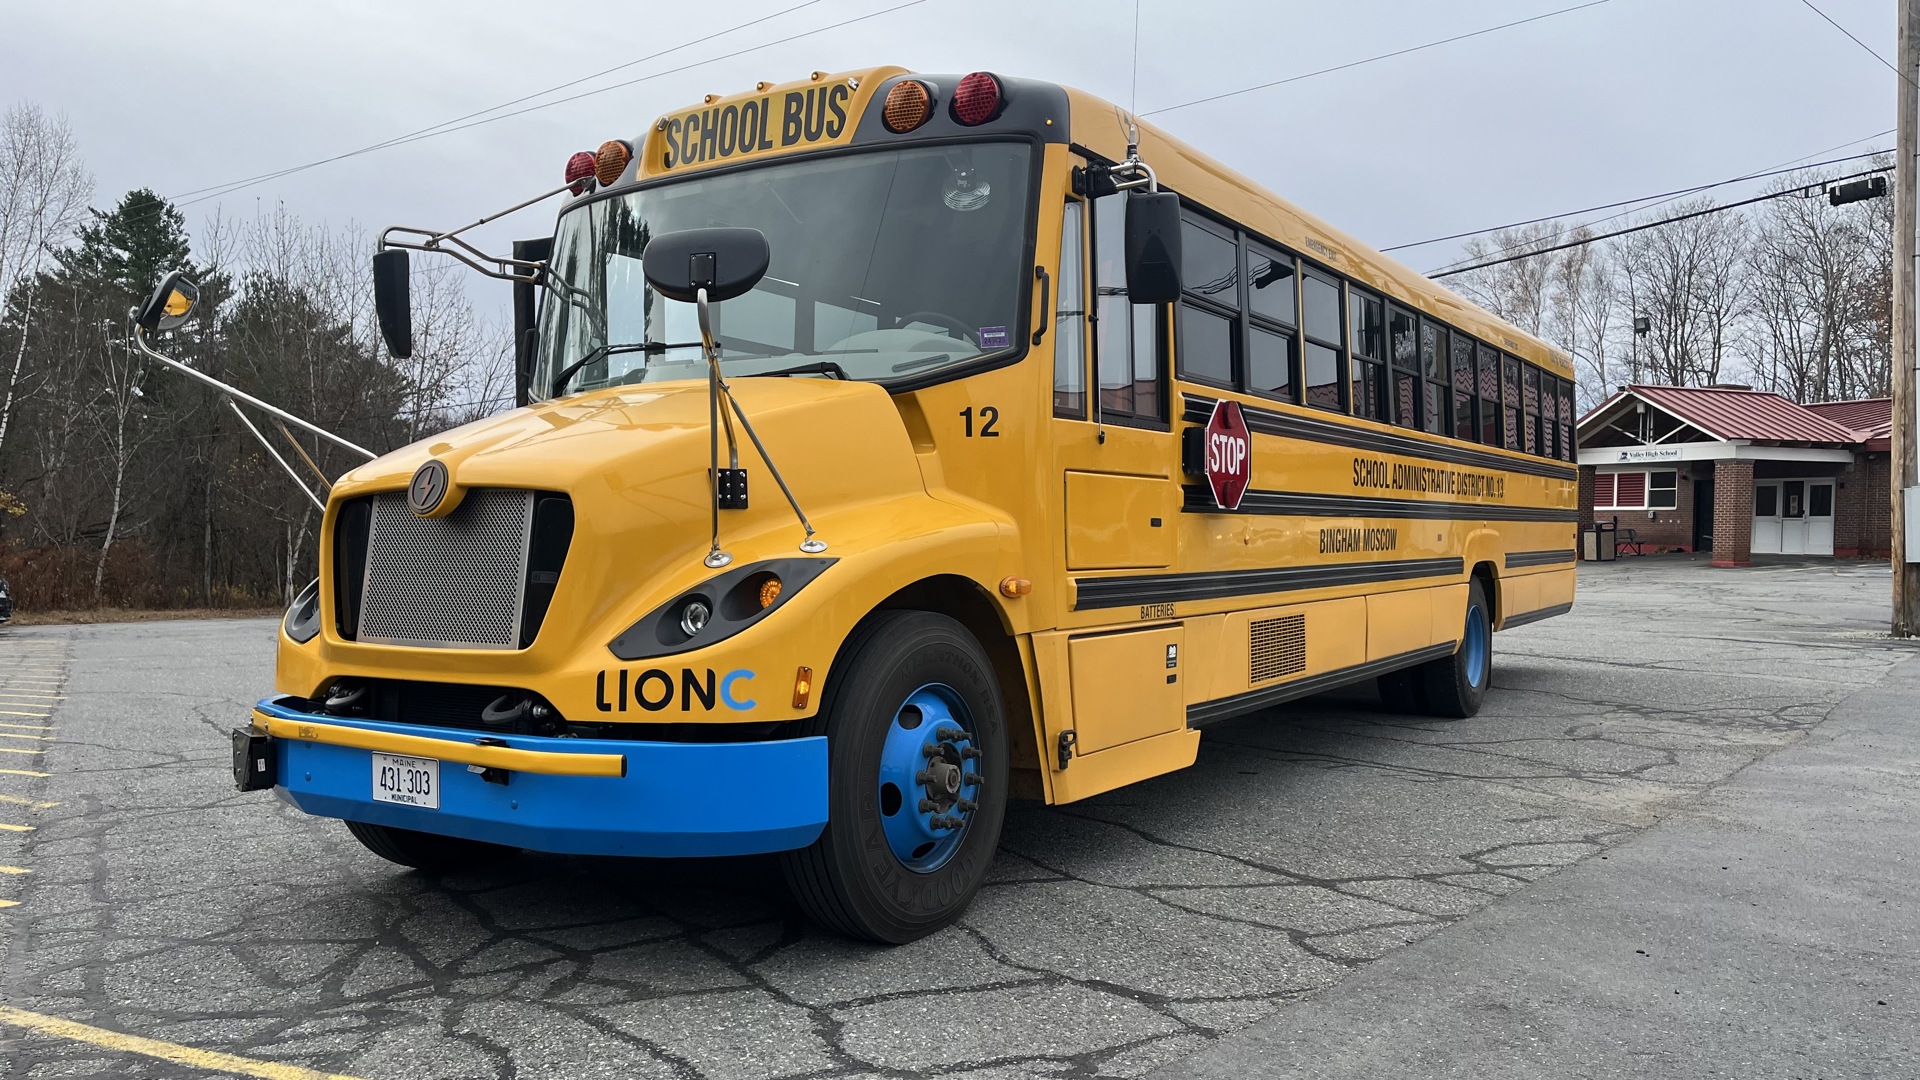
point(929, 779)
point(1478, 646)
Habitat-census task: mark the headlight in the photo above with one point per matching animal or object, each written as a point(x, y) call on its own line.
point(717, 609)
point(303, 618)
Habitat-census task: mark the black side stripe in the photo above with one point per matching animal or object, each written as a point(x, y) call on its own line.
point(1526, 617)
point(1209, 712)
point(1517, 559)
point(1111, 592)
point(1314, 429)
point(1198, 499)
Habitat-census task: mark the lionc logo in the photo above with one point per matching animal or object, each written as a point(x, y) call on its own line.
point(428, 487)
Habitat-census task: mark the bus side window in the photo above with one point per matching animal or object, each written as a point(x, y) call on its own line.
point(1510, 402)
point(1403, 336)
point(1464, 426)
point(1070, 321)
point(1567, 445)
point(1489, 396)
point(1532, 377)
point(1435, 396)
point(1126, 339)
point(1320, 322)
point(1369, 355)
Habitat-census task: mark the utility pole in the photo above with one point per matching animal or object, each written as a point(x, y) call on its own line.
point(1905, 472)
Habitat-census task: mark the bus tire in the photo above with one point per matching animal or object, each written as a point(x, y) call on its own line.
point(428, 851)
point(887, 867)
point(1456, 685)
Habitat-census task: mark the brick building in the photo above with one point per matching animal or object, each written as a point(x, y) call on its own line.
point(1739, 472)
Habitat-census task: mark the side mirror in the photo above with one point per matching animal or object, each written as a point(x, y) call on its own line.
point(1153, 247)
point(393, 300)
point(170, 304)
point(725, 262)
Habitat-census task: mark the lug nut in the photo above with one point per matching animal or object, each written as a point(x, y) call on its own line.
point(972, 778)
point(969, 752)
point(950, 734)
point(928, 806)
point(965, 806)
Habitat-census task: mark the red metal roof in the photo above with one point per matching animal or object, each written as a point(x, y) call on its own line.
point(1755, 415)
point(1872, 418)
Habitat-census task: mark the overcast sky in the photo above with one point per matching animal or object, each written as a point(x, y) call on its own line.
point(1626, 98)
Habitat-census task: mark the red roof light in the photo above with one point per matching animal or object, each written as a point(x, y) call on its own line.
point(978, 99)
point(580, 171)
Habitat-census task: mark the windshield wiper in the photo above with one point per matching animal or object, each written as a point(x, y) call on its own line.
point(651, 348)
point(824, 367)
point(921, 361)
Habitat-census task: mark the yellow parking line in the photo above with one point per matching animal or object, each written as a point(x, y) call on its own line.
point(35, 803)
point(13, 712)
point(211, 1060)
point(7, 827)
point(11, 735)
point(9, 903)
point(14, 870)
point(11, 750)
point(28, 727)
point(24, 772)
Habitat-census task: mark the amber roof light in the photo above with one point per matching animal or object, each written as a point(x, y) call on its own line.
point(611, 161)
point(909, 104)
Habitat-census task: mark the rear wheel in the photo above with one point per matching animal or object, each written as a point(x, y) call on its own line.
point(1456, 685)
point(428, 851)
point(917, 789)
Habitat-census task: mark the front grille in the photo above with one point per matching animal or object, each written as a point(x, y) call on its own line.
point(1278, 647)
point(451, 582)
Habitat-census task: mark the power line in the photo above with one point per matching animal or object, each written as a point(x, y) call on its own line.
point(1372, 59)
point(1642, 227)
point(1676, 193)
point(1883, 60)
point(235, 185)
point(1661, 202)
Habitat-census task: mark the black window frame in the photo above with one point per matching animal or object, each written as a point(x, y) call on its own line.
point(1341, 366)
point(1466, 400)
point(1410, 369)
point(1381, 409)
point(1082, 209)
point(1255, 320)
point(1191, 299)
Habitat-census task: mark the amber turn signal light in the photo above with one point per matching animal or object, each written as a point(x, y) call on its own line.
point(611, 161)
point(802, 686)
point(769, 592)
point(909, 104)
point(1015, 587)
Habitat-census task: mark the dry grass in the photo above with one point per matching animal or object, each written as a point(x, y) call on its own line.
point(115, 615)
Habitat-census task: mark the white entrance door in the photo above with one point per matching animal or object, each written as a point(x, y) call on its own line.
point(1766, 518)
point(1793, 517)
point(1819, 517)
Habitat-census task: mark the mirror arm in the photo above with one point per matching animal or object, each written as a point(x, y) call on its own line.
point(502, 268)
point(318, 503)
point(140, 339)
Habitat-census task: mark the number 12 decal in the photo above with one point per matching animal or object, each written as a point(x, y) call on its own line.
point(989, 416)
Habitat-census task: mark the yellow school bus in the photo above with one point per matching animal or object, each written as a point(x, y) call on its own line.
point(893, 445)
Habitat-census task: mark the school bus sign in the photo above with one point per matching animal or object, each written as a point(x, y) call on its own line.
point(1229, 455)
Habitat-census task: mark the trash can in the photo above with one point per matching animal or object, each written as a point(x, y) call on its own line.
point(1596, 542)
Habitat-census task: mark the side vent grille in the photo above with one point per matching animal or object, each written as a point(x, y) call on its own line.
point(1278, 648)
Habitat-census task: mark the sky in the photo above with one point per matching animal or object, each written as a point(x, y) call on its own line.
point(1618, 100)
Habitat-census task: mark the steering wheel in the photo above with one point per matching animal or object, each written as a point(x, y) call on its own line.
point(942, 320)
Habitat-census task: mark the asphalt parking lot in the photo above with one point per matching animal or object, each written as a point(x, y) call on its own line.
point(1117, 937)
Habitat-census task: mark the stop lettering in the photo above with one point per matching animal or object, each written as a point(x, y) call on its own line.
point(1229, 455)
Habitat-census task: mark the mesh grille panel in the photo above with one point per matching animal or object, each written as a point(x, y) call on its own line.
point(451, 582)
point(1279, 647)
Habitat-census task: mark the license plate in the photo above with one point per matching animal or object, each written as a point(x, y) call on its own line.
point(409, 781)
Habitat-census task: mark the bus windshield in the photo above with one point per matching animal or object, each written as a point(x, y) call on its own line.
point(886, 265)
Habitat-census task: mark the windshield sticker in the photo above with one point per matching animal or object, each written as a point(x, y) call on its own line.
point(993, 337)
point(817, 114)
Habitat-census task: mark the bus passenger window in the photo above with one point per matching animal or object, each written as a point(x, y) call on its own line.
point(1270, 363)
point(1126, 340)
point(1510, 402)
point(1489, 396)
point(1532, 377)
point(1208, 316)
point(1369, 317)
point(1403, 338)
point(1464, 426)
point(1270, 279)
point(1435, 396)
point(1568, 446)
point(1321, 324)
point(1069, 322)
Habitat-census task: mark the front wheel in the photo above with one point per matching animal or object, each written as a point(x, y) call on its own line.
point(1456, 685)
point(917, 781)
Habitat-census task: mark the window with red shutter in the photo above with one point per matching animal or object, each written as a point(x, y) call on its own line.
point(1603, 491)
point(1630, 492)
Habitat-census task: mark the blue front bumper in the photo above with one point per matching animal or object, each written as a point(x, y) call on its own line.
point(676, 799)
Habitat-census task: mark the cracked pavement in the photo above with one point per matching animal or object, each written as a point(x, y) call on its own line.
point(1115, 936)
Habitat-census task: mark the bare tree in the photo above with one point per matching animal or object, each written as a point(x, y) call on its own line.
point(1688, 279)
point(44, 189)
